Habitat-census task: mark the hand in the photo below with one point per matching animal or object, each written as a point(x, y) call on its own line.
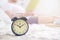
point(20, 26)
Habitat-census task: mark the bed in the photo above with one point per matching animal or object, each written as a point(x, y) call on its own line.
point(36, 32)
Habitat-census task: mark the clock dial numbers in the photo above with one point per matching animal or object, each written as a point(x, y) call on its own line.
point(20, 26)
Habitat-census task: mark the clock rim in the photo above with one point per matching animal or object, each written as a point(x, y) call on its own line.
point(16, 33)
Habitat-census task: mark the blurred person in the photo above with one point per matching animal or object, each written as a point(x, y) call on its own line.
point(5, 22)
point(12, 9)
point(8, 10)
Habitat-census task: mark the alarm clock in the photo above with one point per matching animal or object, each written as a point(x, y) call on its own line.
point(19, 26)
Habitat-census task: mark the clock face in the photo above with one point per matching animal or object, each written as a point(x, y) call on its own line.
point(19, 26)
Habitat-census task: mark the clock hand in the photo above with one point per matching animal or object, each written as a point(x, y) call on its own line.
point(18, 25)
point(21, 26)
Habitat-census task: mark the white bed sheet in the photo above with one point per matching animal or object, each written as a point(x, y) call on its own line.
point(41, 30)
point(36, 32)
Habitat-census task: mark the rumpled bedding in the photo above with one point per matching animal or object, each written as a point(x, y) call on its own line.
point(41, 30)
point(35, 32)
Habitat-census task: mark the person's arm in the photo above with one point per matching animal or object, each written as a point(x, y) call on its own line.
point(9, 13)
point(4, 17)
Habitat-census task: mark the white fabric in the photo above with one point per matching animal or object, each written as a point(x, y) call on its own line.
point(14, 8)
point(4, 17)
point(23, 3)
point(57, 21)
point(41, 30)
point(5, 23)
